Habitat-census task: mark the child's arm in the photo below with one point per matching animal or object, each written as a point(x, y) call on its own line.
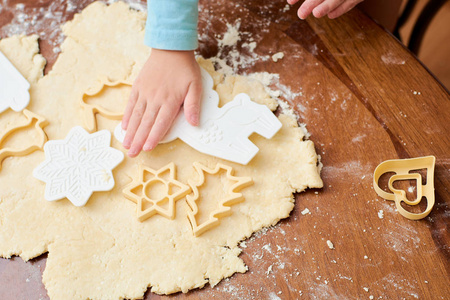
point(320, 8)
point(169, 78)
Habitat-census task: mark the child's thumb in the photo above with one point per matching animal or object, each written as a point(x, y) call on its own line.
point(192, 103)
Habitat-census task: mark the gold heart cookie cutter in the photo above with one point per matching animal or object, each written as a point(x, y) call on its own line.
point(402, 169)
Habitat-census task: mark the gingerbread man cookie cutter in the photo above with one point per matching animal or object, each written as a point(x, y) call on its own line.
point(224, 206)
point(140, 191)
point(91, 110)
point(33, 120)
point(402, 169)
point(13, 86)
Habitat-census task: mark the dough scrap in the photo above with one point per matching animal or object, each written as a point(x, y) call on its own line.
point(101, 251)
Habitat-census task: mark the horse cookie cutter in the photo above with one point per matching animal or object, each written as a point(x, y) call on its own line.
point(402, 169)
point(223, 131)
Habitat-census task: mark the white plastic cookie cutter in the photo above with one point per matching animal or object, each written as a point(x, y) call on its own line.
point(402, 169)
point(13, 87)
point(223, 132)
point(79, 165)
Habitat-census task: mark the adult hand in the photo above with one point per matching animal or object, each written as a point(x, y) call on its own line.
point(320, 8)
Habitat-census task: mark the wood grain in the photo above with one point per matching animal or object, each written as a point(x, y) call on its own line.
point(364, 99)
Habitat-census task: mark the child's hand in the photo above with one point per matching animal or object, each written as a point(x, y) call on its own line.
point(320, 8)
point(167, 80)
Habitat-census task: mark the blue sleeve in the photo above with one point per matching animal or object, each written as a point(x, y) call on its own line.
point(172, 24)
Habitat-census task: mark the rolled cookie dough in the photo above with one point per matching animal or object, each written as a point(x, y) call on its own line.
point(101, 251)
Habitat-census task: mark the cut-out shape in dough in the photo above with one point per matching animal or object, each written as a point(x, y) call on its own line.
point(402, 169)
point(13, 87)
point(79, 165)
point(155, 192)
point(224, 206)
point(91, 110)
point(223, 132)
point(33, 120)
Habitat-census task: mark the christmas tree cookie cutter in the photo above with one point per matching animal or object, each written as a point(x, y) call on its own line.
point(224, 206)
point(91, 110)
point(141, 191)
point(223, 132)
point(402, 169)
point(33, 120)
point(79, 165)
point(13, 87)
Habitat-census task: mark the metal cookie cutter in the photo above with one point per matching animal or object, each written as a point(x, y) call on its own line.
point(92, 110)
point(144, 192)
point(33, 120)
point(402, 168)
point(224, 205)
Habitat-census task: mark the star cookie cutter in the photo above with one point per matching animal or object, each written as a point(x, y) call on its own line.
point(402, 169)
point(224, 209)
point(91, 110)
point(223, 131)
point(79, 165)
point(33, 120)
point(13, 86)
point(140, 191)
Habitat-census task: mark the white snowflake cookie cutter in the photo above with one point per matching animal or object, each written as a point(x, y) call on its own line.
point(79, 165)
point(223, 132)
point(13, 87)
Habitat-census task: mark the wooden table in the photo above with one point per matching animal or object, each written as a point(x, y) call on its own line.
point(365, 99)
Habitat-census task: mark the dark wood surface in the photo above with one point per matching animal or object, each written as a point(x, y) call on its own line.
point(365, 99)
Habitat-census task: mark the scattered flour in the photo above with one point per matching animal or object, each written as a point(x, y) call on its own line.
point(249, 46)
point(380, 214)
point(286, 8)
point(330, 244)
point(268, 248)
point(232, 36)
point(277, 56)
point(390, 59)
point(286, 109)
point(273, 296)
point(358, 138)
point(305, 211)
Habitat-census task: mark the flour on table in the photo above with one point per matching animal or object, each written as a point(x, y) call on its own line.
point(277, 56)
point(101, 251)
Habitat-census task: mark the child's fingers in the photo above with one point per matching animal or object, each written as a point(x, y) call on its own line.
point(325, 7)
point(164, 120)
point(192, 103)
point(143, 131)
point(135, 120)
point(343, 8)
point(134, 95)
point(292, 2)
point(307, 7)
